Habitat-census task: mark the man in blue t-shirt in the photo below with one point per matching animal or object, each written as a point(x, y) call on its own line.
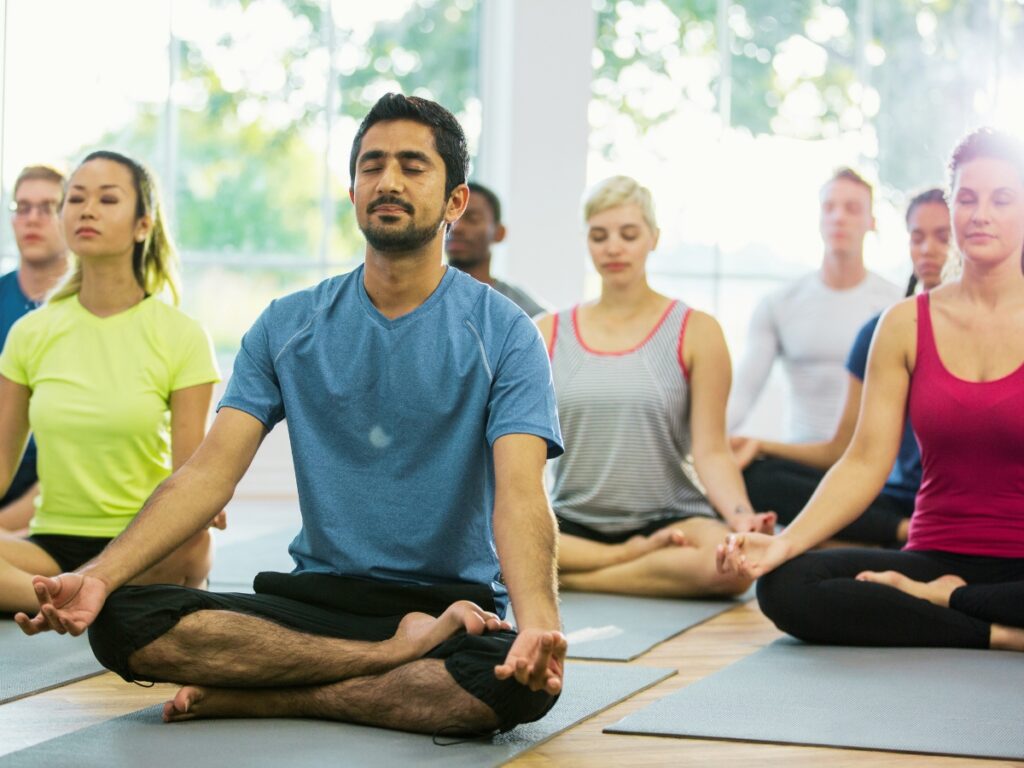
point(421, 412)
point(42, 262)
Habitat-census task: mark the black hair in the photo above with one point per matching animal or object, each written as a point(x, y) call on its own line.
point(487, 193)
point(449, 138)
point(154, 259)
point(933, 195)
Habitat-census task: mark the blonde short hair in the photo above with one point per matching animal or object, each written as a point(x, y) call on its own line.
point(40, 173)
point(616, 191)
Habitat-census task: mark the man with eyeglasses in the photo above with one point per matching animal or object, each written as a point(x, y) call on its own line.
point(42, 262)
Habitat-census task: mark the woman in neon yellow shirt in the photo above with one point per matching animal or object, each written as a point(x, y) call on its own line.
point(114, 383)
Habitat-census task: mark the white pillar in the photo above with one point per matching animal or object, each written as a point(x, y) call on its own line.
point(536, 71)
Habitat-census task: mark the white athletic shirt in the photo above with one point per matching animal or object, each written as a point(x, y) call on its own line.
point(811, 327)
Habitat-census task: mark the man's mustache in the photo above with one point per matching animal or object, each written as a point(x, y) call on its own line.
point(389, 200)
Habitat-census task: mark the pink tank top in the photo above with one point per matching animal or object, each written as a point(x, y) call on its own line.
point(971, 435)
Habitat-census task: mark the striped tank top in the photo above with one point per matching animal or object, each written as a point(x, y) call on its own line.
point(625, 420)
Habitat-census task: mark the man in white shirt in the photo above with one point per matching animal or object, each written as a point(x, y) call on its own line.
point(810, 324)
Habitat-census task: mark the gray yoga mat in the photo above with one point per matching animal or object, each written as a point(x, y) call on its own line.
point(236, 565)
point(620, 628)
point(934, 701)
point(141, 739)
point(35, 664)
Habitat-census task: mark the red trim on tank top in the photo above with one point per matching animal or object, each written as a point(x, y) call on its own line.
point(554, 335)
point(679, 350)
point(654, 330)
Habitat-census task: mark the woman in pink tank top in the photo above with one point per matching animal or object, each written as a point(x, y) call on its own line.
point(954, 361)
point(642, 383)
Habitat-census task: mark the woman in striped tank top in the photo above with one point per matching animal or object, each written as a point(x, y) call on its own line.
point(953, 361)
point(642, 382)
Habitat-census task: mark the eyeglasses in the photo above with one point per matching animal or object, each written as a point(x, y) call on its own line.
point(23, 210)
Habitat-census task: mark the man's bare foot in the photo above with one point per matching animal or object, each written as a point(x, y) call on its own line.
point(195, 702)
point(419, 632)
point(1003, 638)
point(187, 704)
point(936, 592)
point(638, 546)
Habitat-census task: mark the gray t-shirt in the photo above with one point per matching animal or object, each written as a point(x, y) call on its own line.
point(519, 296)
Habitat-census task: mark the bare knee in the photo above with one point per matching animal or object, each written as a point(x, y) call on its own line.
point(727, 584)
point(162, 656)
point(702, 579)
point(155, 659)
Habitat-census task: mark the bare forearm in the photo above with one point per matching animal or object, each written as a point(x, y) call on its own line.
point(17, 515)
point(723, 484)
point(818, 455)
point(526, 537)
point(842, 496)
point(10, 459)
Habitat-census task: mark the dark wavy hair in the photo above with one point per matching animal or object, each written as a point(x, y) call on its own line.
point(449, 138)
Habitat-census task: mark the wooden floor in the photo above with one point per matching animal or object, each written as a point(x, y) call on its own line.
point(695, 654)
point(264, 501)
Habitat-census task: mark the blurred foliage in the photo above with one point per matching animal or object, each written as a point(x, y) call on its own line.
point(249, 153)
point(248, 170)
point(924, 75)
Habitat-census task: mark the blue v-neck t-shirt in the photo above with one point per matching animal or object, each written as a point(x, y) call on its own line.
point(392, 423)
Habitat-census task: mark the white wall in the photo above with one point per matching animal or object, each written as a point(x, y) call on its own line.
point(536, 72)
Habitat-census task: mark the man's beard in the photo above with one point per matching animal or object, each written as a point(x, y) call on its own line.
point(408, 238)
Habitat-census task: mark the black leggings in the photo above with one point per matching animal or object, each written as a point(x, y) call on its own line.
point(816, 598)
point(785, 487)
point(998, 603)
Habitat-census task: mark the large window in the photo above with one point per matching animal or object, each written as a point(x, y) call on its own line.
point(734, 113)
point(246, 110)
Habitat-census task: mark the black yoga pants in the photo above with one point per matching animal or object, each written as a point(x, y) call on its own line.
point(817, 598)
point(785, 487)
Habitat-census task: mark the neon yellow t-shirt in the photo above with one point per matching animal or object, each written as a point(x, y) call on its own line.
point(100, 406)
